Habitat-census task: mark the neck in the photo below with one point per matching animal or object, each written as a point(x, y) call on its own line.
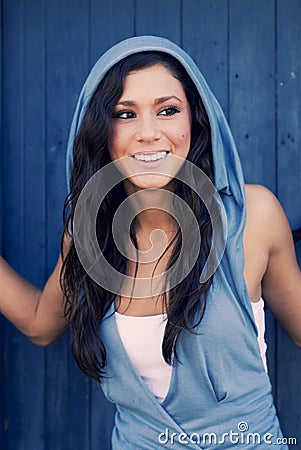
point(154, 209)
point(155, 230)
point(153, 219)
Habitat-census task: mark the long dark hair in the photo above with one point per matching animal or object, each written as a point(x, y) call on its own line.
point(86, 302)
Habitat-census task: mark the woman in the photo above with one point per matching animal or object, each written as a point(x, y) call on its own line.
point(180, 353)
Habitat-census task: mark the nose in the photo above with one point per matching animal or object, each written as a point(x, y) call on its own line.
point(147, 129)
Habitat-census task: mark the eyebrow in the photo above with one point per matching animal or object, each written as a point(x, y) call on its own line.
point(158, 101)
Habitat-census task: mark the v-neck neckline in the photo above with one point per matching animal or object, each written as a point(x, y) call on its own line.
point(134, 370)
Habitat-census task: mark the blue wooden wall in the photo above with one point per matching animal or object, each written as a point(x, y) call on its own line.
point(250, 52)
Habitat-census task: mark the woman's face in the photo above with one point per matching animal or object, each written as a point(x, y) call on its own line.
point(151, 123)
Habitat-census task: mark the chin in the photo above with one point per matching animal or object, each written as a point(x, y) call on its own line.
point(150, 181)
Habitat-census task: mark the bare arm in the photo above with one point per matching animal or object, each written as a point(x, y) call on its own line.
point(36, 313)
point(281, 283)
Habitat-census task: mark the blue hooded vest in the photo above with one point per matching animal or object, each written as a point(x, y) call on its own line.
point(219, 395)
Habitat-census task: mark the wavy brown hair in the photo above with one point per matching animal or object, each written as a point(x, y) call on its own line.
point(86, 303)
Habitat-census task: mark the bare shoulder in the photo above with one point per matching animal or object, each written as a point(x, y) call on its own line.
point(260, 203)
point(258, 198)
point(268, 233)
point(265, 212)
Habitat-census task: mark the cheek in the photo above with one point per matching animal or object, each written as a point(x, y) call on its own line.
point(185, 127)
point(186, 139)
point(184, 135)
point(115, 144)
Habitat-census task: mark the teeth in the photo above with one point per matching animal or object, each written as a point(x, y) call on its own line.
point(152, 157)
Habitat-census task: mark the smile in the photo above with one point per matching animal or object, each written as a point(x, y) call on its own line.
point(150, 157)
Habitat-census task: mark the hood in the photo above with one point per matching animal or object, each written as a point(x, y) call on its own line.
point(228, 177)
point(227, 169)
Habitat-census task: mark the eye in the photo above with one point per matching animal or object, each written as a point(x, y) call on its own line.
point(124, 114)
point(169, 111)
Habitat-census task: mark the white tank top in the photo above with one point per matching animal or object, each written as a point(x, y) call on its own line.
point(142, 339)
point(258, 311)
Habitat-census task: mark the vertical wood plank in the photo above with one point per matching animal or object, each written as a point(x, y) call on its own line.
point(289, 110)
point(12, 138)
point(289, 192)
point(252, 87)
point(78, 52)
point(13, 226)
point(34, 248)
point(159, 18)
point(205, 38)
point(67, 414)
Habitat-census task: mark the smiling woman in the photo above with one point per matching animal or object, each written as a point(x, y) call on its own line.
point(185, 359)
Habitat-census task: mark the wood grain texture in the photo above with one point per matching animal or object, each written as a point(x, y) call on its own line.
point(205, 37)
point(252, 87)
point(249, 52)
point(16, 225)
